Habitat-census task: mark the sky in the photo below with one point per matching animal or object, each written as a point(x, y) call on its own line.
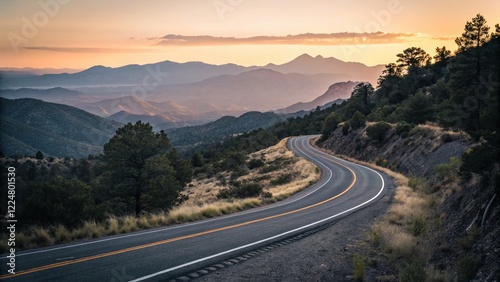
point(79, 34)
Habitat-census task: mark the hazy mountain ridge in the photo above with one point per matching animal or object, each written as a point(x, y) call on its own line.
point(56, 94)
point(166, 72)
point(222, 127)
point(54, 129)
point(307, 64)
point(336, 92)
point(199, 92)
point(260, 90)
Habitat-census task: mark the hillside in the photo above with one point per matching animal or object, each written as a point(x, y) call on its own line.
point(30, 125)
point(221, 128)
point(57, 94)
point(336, 92)
point(461, 243)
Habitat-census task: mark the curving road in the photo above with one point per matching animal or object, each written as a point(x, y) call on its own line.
point(170, 252)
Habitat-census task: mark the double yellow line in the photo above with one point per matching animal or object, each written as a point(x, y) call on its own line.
point(84, 259)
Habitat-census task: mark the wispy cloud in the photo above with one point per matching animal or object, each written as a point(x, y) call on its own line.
point(84, 49)
point(341, 38)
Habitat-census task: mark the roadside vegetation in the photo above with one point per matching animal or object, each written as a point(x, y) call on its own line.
point(276, 171)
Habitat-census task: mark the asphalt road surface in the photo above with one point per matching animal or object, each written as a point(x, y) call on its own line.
point(166, 253)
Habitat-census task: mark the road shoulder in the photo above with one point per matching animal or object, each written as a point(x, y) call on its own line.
point(322, 256)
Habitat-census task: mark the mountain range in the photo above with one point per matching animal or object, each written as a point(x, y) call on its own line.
point(30, 125)
point(196, 92)
point(168, 95)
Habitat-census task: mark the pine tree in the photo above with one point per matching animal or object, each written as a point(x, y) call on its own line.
point(140, 171)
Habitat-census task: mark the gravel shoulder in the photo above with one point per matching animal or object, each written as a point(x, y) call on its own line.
point(325, 255)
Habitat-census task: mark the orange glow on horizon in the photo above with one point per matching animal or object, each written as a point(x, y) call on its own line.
point(56, 34)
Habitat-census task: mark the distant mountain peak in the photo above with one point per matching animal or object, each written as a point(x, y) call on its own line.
point(304, 56)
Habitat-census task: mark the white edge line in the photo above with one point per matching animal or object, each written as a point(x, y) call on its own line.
point(167, 228)
point(267, 239)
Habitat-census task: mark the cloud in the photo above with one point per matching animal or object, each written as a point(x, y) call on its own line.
point(83, 49)
point(340, 38)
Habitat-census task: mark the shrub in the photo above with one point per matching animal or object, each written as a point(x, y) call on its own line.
point(377, 131)
point(419, 226)
point(446, 138)
point(448, 171)
point(269, 168)
point(266, 195)
point(345, 128)
point(39, 155)
point(467, 267)
point(62, 234)
point(41, 237)
point(255, 163)
point(359, 267)
point(403, 128)
point(247, 190)
point(239, 190)
point(468, 240)
point(417, 183)
point(225, 193)
point(282, 179)
point(413, 271)
point(380, 161)
point(358, 120)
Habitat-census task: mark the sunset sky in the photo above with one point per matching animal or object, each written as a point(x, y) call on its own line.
point(79, 34)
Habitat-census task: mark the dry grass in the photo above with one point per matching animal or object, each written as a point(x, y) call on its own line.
point(400, 233)
point(202, 202)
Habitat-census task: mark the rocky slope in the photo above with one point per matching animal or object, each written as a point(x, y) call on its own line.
point(463, 238)
point(415, 152)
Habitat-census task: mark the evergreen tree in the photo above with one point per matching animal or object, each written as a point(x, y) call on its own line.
point(476, 34)
point(442, 55)
point(39, 155)
point(464, 83)
point(412, 58)
point(330, 124)
point(139, 170)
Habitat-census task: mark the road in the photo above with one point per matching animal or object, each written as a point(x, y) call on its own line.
point(165, 253)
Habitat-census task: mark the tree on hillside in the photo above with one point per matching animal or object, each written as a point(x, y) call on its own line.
point(476, 34)
point(442, 54)
point(39, 155)
point(363, 90)
point(141, 169)
point(413, 57)
point(466, 72)
point(330, 124)
point(58, 200)
point(496, 33)
point(360, 100)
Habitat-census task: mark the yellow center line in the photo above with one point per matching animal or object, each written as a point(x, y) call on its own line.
point(84, 259)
